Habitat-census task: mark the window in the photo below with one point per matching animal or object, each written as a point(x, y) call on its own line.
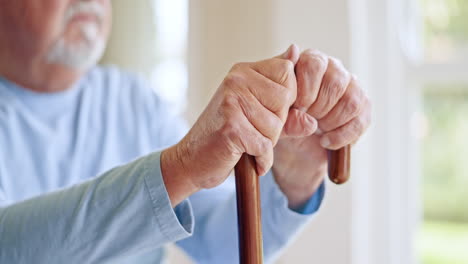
point(170, 73)
point(445, 29)
point(443, 236)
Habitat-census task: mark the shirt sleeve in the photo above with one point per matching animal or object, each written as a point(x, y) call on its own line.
point(214, 238)
point(122, 212)
point(216, 216)
point(314, 202)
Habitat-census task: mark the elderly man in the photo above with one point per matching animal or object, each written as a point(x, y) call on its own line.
point(65, 126)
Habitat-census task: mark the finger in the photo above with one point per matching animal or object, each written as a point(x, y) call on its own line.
point(255, 144)
point(292, 54)
point(348, 133)
point(264, 162)
point(332, 88)
point(310, 69)
point(271, 95)
point(264, 121)
point(280, 71)
point(299, 124)
point(348, 107)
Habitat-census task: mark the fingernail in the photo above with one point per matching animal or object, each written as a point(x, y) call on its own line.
point(325, 142)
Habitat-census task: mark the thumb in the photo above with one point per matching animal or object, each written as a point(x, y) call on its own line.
point(299, 124)
point(292, 54)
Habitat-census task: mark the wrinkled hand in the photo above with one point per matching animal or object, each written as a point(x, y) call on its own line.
point(341, 110)
point(246, 115)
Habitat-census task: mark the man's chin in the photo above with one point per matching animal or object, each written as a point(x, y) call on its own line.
point(77, 56)
point(83, 31)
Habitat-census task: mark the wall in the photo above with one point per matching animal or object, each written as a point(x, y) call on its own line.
point(132, 43)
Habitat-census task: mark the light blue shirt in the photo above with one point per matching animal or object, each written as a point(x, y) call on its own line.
point(80, 181)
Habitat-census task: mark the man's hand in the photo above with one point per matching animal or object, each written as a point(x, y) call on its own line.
point(332, 96)
point(246, 115)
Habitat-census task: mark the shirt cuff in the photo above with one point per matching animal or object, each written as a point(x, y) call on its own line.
point(313, 204)
point(177, 223)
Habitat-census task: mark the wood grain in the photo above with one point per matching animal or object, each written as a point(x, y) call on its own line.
point(249, 218)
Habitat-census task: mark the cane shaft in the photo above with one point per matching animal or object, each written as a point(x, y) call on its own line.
point(248, 211)
point(248, 201)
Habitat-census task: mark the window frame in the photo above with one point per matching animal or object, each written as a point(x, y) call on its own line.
point(388, 56)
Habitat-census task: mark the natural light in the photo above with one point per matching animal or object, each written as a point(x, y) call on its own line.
point(444, 233)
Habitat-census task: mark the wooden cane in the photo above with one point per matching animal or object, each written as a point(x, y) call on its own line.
point(249, 218)
point(339, 164)
point(248, 201)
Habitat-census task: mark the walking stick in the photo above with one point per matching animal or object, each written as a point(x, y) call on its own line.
point(248, 201)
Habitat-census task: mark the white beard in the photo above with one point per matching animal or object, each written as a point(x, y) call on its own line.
point(80, 55)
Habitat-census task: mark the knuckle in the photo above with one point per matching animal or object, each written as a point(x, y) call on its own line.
point(230, 133)
point(233, 79)
point(229, 128)
point(316, 52)
point(314, 63)
point(285, 68)
point(358, 126)
point(229, 101)
point(335, 88)
point(238, 66)
point(335, 61)
point(343, 78)
point(355, 83)
point(353, 105)
point(263, 144)
point(367, 107)
point(338, 71)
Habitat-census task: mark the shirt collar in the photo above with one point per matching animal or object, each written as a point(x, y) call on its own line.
point(43, 104)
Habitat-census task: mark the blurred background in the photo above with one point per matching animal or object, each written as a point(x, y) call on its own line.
point(408, 198)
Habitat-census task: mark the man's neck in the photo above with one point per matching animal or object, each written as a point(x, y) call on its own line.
point(41, 79)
